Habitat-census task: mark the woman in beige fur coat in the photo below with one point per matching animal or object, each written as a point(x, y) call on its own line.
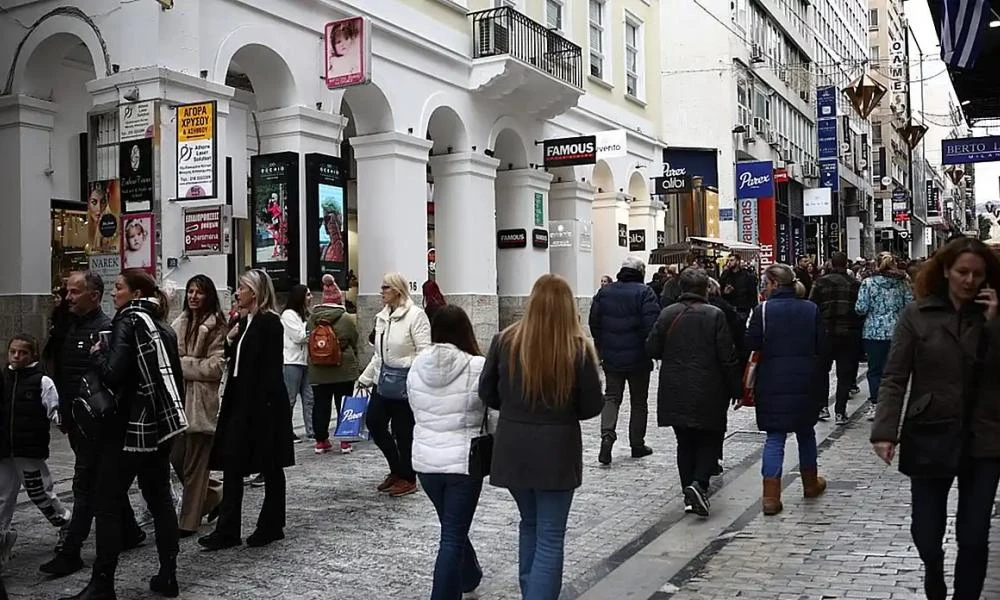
point(201, 334)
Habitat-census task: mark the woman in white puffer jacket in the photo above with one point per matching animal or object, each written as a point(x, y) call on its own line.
point(442, 386)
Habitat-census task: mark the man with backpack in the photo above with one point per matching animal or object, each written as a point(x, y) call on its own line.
point(333, 360)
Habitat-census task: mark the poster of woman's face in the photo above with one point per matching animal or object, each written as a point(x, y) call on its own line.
point(103, 217)
point(271, 216)
point(332, 225)
point(346, 52)
point(139, 242)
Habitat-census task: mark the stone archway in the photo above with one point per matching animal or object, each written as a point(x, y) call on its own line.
point(259, 69)
point(603, 178)
point(638, 188)
point(369, 109)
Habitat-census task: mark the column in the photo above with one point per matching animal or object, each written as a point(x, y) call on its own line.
point(464, 234)
point(25, 130)
point(610, 210)
point(392, 214)
point(644, 216)
point(518, 268)
point(571, 208)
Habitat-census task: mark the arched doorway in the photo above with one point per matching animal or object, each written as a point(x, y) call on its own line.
point(449, 137)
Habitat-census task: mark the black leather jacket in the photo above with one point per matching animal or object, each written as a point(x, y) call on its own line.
point(75, 359)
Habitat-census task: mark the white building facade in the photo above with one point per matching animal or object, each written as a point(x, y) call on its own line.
point(435, 156)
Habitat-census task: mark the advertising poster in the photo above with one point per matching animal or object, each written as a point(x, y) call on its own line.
point(784, 240)
point(136, 121)
point(109, 267)
point(755, 179)
point(139, 242)
point(207, 230)
point(275, 196)
point(103, 215)
point(798, 239)
point(135, 173)
point(326, 214)
point(766, 231)
point(748, 220)
point(197, 169)
point(348, 54)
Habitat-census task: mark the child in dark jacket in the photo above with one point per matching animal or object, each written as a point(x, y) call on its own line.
point(29, 403)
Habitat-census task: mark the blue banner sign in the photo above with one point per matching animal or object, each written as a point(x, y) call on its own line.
point(829, 174)
point(826, 102)
point(755, 179)
point(727, 214)
point(970, 150)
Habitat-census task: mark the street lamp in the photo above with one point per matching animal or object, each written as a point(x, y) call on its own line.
point(912, 133)
point(865, 93)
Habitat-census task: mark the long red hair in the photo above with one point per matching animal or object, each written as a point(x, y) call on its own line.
point(432, 294)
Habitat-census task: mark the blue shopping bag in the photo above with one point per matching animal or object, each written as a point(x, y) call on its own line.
point(351, 426)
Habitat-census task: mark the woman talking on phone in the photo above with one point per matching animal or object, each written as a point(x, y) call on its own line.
point(946, 347)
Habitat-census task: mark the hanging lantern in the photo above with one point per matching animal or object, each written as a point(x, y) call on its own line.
point(912, 133)
point(956, 174)
point(865, 93)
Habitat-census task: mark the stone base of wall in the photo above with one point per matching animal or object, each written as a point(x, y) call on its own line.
point(512, 309)
point(483, 313)
point(27, 313)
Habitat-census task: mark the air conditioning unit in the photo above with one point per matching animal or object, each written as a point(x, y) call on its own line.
point(805, 96)
point(760, 126)
point(783, 76)
point(494, 38)
point(756, 53)
point(810, 170)
point(772, 138)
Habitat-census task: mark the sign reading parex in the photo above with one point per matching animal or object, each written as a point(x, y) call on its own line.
point(197, 167)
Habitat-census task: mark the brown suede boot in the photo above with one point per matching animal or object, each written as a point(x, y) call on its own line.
point(771, 500)
point(812, 484)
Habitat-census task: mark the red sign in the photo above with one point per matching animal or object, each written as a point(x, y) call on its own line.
point(767, 235)
point(203, 230)
point(781, 175)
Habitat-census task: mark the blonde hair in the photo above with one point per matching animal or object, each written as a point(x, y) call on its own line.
point(546, 343)
point(262, 287)
point(397, 283)
point(783, 276)
point(886, 262)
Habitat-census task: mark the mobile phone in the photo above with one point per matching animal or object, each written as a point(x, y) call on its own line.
point(104, 337)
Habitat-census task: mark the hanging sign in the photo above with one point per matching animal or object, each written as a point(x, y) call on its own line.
point(347, 52)
point(817, 202)
point(567, 152)
point(197, 168)
point(970, 150)
point(755, 179)
point(512, 238)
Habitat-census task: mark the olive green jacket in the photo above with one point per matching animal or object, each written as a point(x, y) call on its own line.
point(345, 325)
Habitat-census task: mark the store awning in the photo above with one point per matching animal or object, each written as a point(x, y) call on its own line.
point(676, 253)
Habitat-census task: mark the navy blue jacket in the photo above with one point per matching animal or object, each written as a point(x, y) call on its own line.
point(788, 391)
point(621, 317)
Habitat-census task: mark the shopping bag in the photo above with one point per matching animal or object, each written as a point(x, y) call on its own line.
point(351, 426)
point(750, 380)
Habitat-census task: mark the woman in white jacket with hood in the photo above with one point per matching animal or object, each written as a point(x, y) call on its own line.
point(443, 385)
point(401, 332)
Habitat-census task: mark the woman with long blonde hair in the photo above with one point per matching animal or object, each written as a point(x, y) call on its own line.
point(541, 374)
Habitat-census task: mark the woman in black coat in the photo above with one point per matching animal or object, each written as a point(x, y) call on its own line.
point(255, 419)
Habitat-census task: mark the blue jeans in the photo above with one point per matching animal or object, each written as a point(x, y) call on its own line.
point(542, 537)
point(297, 383)
point(878, 355)
point(774, 451)
point(455, 498)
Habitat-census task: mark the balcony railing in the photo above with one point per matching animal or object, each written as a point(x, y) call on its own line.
point(504, 31)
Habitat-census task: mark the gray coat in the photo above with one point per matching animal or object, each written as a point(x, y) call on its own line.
point(536, 447)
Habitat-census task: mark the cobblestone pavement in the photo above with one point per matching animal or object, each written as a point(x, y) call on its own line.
point(345, 540)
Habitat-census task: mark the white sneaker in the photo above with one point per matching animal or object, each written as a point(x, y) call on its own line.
point(871, 412)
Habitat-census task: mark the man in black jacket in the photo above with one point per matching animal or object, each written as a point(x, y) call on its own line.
point(836, 293)
point(621, 317)
point(739, 286)
point(84, 291)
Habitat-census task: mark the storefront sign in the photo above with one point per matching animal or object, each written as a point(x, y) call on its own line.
point(512, 238)
point(755, 179)
point(693, 163)
point(933, 199)
point(674, 181)
point(829, 174)
point(767, 237)
point(207, 230)
point(103, 215)
point(326, 218)
point(586, 242)
point(540, 238)
point(135, 172)
point(661, 239)
point(109, 267)
point(817, 202)
point(539, 209)
point(727, 214)
point(197, 168)
point(275, 216)
point(784, 240)
point(139, 242)
point(347, 52)
point(566, 152)
point(136, 121)
point(748, 221)
point(622, 235)
point(826, 137)
point(781, 175)
point(611, 144)
point(899, 74)
point(561, 234)
point(798, 239)
point(637, 240)
point(970, 150)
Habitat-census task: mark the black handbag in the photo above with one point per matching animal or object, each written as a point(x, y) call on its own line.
point(481, 450)
point(92, 405)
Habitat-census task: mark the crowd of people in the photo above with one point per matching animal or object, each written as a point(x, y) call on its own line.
point(211, 394)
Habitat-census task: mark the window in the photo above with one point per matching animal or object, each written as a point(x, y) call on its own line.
point(633, 58)
point(505, 4)
point(876, 132)
point(104, 147)
point(597, 38)
point(743, 101)
point(873, 18)
point(554, 14)
point(873, 56)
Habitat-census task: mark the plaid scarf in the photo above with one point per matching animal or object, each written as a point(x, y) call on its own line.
point(157, 414)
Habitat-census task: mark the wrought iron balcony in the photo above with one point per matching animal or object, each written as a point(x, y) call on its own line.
point(514, 56)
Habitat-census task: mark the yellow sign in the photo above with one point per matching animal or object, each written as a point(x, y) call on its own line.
point(195, 122)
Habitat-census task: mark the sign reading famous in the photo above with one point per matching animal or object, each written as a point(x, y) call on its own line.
point(567, 152)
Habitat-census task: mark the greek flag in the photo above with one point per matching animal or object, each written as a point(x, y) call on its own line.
point(962, 28)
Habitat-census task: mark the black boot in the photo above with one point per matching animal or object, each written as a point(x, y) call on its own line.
point(935, 587)
point(164, 583)
point(101, 587)
point(62, 565)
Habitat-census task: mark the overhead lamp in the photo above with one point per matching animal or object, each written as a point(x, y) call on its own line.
point(912, 133)
point(966, 102)
point(865, 93)
point(995, 23)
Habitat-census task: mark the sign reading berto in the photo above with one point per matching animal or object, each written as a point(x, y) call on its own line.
point(755, 179)
point(567, 152)
point(970, 150)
